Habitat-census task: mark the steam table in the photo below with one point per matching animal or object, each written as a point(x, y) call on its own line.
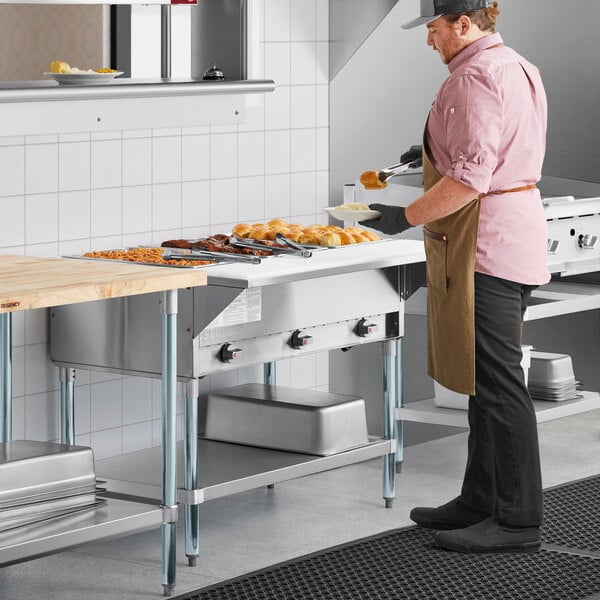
point(30, 283)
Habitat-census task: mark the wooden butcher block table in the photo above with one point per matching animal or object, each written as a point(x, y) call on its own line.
point(28, 282)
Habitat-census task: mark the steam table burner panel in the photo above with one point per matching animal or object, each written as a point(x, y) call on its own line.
point(248, 314)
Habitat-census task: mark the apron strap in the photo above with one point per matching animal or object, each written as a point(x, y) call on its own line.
point(532, 186)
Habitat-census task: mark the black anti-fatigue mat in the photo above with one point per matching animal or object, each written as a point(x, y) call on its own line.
point(405, 565)
point(572, 515)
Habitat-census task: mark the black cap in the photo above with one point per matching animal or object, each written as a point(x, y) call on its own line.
point(432, 9)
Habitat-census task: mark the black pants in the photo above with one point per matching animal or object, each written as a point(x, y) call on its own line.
point(502, 475)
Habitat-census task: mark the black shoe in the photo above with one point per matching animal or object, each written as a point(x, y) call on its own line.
point(490, 536)
point(452, 515)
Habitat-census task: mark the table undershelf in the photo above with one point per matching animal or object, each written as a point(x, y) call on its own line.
point(425, 411)
point(113, 519)
point(225, 468)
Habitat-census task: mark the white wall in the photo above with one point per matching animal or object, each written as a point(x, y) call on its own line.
point(68, 193)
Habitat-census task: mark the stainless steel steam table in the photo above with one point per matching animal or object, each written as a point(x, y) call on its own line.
point(31, 283)
point(247, 314)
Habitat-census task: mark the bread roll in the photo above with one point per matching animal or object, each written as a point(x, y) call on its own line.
point(330, 239)
point(309, 238)
point(359, 238)
point(294, 236)
point(241, 230)
point(259, 233)
point(373, 237)
point(346, 238)
point(277, 223)
point(59, 66)
point(370, 181)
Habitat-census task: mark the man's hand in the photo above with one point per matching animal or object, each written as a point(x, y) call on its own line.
point(413, 155)
point(392, 220)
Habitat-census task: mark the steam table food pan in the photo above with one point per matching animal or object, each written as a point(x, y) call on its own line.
point(286, 419)
point(550, 370)
point(32, 471)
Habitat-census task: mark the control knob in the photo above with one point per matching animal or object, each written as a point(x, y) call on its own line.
point(363, 329)
point(300, 339)
point(588, 241)
point(227, 353)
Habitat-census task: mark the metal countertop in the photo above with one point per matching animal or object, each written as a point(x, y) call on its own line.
point(323, 263)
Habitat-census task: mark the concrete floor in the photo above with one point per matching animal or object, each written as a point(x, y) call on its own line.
point(262, 527)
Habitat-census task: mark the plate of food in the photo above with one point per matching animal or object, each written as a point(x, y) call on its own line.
point(64, 74)
point(353, 211)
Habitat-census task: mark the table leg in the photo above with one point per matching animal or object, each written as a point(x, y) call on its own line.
point(270, 373)
point(67, 405)
point(5, 377)
point(399, 404)
point(270, 378)
point(169, 440)
point(390, 393)
point(190, 457)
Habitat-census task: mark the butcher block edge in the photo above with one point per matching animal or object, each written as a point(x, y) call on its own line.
point(28, 282)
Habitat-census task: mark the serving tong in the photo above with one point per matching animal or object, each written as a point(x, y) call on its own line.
point(392, 170)
point(292, 249)
point(216, 256)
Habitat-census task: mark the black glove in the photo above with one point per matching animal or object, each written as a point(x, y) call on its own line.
point(413, 155)
point(392, 220)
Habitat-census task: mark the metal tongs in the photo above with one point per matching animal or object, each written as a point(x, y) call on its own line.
point(304, 252)
point(392, 170)
point(295, 250)
point(216, 256)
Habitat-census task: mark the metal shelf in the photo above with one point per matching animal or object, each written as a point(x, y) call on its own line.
point(425, 411)
point(225, 469)
point(113, 519)
point(43, 91)
point(550, 300)
point(558, 298)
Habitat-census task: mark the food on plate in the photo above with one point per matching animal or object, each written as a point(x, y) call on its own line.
point(144, 255)
point(353, 206)
point(59, 66)
point(370, 181)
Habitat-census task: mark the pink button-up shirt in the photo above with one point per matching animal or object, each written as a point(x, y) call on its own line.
point(487, 129)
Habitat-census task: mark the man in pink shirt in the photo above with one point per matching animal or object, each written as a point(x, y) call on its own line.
point(486, 243)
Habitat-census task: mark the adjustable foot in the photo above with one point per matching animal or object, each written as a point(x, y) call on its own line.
point(169, 589)
point(389, 502)
point(192, 560)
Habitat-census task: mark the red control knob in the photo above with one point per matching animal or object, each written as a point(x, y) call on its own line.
point(228, 353)
point(300, 339)
point(363, 329)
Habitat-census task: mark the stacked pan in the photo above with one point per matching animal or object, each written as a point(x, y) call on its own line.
point(42, 481)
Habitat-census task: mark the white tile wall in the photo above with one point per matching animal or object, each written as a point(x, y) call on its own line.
point(68, 193)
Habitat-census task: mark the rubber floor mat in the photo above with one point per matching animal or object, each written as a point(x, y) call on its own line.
point(404, 564)
point(572, 515)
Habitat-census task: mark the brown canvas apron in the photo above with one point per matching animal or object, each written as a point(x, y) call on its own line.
point(451, 249)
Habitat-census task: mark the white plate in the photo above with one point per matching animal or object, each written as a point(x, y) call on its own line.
point(83, 78)
point(352, 215)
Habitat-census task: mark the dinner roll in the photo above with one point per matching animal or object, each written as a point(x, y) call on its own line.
point(346, 238)
point(309, 238)
point(241, 229)
point(330, 239)
point(277, 223)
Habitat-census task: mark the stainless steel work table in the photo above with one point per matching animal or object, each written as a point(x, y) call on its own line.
point(324, 293)
point(30, 283)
